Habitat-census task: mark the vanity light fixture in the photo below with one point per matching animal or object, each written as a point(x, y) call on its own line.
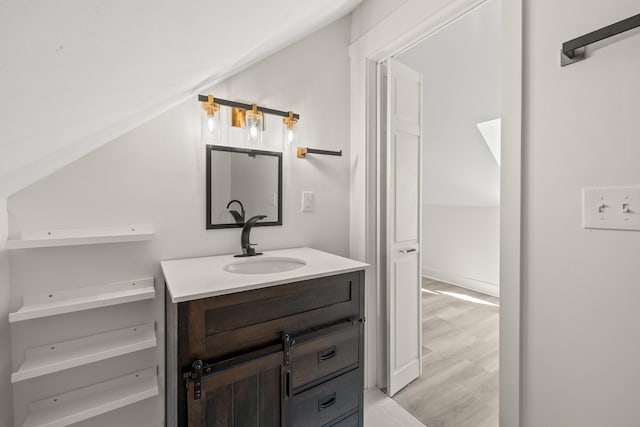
point(248, 116)
point(290, 131)
point(211, 121)
point(254, 120)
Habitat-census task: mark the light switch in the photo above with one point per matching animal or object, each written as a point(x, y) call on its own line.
point(307, 201)
point(615, 208)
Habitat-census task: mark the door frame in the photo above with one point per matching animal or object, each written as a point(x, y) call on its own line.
point(407, 25)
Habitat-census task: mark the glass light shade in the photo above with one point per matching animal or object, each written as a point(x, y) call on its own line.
point(290, 136)
point(290, 132)
point(211, 129)
point(254, 123)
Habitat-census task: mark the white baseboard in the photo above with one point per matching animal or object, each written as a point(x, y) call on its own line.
point(462, 281)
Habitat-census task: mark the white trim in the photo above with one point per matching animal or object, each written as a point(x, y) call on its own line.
point(510, 213)
point(470, 283)
point(408, 24)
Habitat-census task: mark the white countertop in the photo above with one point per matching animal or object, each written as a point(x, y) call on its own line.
point(194, 278)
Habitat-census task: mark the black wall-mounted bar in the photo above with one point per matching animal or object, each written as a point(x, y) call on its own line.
point(325, 152)
point(573, 50)
point(226, 102)
point(303, 151)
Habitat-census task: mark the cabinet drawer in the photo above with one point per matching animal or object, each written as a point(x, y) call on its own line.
point(325, 354)
point(350, 421)
point(327, 401)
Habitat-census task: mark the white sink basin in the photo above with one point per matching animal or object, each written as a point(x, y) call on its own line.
point(264, 265)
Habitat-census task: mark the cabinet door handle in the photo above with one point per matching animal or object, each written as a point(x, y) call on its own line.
point(406, 251)
point(287, 385)
point(327, 402)
point(327, 354)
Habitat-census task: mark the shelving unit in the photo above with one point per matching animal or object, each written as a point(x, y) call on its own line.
point(88, 402)
point(81, 236)
point(86, 298)
point(64, 354)
point(57, 357)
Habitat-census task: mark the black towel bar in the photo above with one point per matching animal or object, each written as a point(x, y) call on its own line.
point(573, 50)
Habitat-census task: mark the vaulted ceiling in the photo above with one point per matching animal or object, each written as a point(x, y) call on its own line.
point(75, 74)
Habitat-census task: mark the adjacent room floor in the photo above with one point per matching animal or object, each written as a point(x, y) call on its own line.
point(459, 382)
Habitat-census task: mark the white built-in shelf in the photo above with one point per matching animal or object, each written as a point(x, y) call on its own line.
point(69, 354)
point(70, 300)
point(89, 402)
point(81, 236)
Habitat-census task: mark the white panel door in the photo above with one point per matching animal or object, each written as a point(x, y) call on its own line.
point(403, 231)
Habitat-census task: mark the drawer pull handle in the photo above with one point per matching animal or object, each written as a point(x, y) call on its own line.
point(327, 402)
point(406, 251)
point(327, 354)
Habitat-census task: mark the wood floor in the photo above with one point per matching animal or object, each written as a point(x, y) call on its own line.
point(459, 382)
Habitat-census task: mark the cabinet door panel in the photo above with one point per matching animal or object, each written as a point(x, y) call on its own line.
point(247, 395)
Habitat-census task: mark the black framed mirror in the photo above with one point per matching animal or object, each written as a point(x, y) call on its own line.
point(242, 183)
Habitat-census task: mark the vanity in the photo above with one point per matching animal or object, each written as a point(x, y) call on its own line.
point(271, 340)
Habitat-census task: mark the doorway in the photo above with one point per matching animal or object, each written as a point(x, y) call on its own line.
point(413, 21)
point(458, 244)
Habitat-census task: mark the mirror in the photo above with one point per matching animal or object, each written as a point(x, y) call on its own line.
point(242, 183)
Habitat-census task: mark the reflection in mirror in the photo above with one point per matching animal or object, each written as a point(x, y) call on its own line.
point(242, 183)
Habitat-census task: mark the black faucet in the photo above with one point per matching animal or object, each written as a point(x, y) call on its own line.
point(247, 250)
point(238, 217)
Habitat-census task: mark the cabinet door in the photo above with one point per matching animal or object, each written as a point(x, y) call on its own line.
point(246, 395)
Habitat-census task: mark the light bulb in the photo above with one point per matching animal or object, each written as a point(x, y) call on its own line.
point(211, 129)
point(254, 120)
point(290, 131)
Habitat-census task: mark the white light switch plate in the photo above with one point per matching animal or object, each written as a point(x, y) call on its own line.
point(307, 201)
point(614, 208)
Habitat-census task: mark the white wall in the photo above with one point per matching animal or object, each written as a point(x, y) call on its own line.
point(369, 13)
point(156, 174)
point(581, 298)
point(460, 65)
point(461, 245)
point(6, 397)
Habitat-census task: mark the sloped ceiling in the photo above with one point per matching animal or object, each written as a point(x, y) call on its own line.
point(75, 74)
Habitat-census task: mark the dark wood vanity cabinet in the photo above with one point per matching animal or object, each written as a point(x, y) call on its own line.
point(286, 355)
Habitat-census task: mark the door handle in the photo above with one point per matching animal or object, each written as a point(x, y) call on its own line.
point(287, 385)
point(406, 251)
